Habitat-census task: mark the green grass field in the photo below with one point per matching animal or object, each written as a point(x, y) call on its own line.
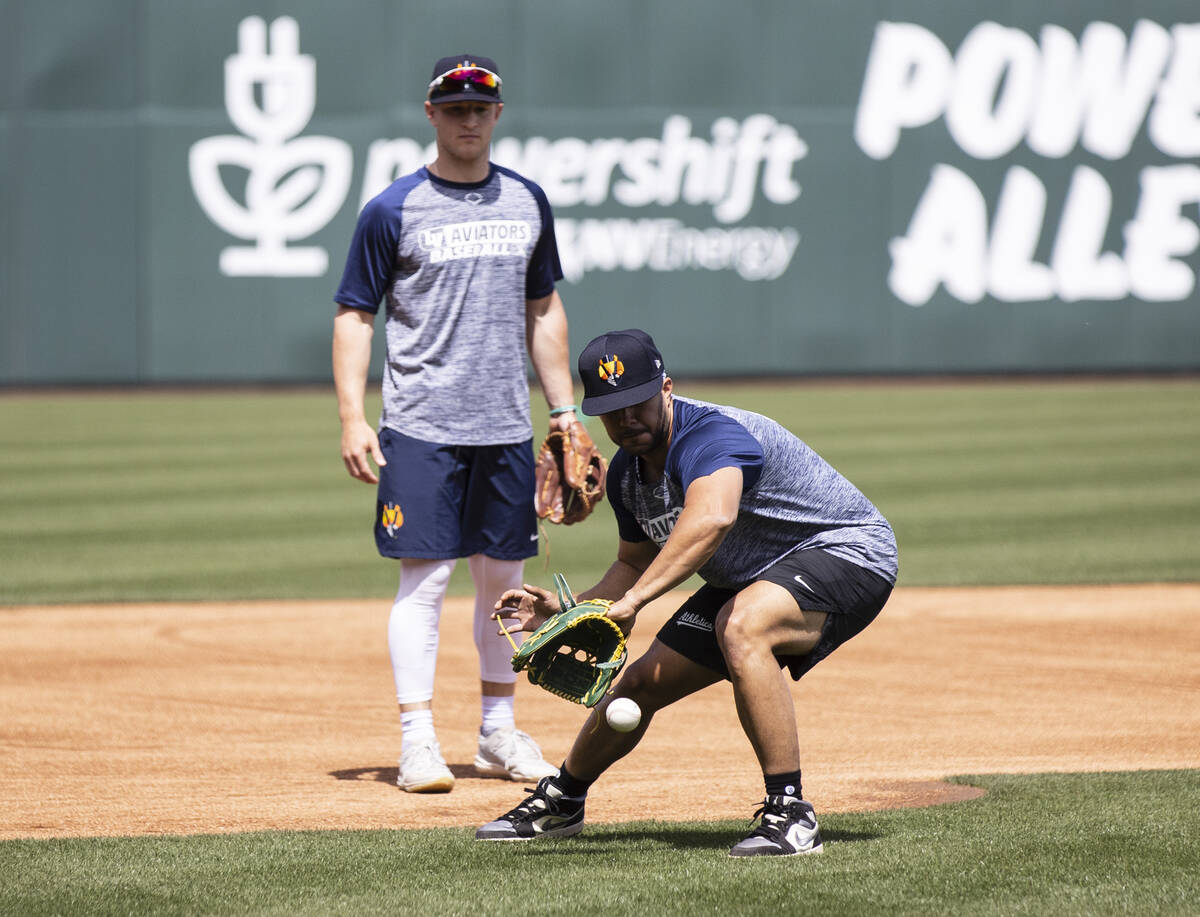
point(1050, 844)
point(147, 496)
point(176, 495)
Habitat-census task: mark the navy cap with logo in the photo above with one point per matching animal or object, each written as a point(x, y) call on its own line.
point(620, 369)
point(464, 78)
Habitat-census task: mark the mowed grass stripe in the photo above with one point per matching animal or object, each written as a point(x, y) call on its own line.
point(1060, 844)
point(155, 496)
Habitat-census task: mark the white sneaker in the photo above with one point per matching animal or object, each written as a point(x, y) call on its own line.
point(423, 770)
point(509, 752)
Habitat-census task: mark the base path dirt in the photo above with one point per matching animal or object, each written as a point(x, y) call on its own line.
point(189, 718)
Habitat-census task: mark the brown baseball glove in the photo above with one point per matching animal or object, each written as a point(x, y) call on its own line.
point(570, 476)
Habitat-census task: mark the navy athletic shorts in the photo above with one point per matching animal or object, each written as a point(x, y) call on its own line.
point(438, 501)
point(850, 595)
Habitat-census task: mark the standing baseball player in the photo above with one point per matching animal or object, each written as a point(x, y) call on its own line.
point(463, 254)
point(795, 561)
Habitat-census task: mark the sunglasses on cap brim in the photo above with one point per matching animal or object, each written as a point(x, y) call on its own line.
point(484, 81)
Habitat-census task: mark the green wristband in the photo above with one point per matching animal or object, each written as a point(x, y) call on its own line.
point(565, 409)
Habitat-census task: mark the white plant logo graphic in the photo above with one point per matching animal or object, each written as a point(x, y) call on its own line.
point(294, 185)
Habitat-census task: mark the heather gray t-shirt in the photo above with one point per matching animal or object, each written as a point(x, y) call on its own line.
point(792, 499)
point(454, 263)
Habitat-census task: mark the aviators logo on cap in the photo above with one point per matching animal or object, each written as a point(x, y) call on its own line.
point(611, 369)
point(619, 369)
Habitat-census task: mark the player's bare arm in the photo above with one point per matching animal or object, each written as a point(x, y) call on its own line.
point(531, 605)
point(633, 557)
point(546, 338)
point(353, 330)
point(710, 509)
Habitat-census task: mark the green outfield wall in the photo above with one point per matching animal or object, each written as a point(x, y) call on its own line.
point(774, 186)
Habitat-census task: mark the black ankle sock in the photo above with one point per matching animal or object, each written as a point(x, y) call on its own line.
point(783, 784)
point(571, 785)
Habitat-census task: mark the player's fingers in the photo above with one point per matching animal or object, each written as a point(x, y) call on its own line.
point(354, 457)
point(510, 598)
point(361, 469)
point(623, 615)
point(539, 593)
point(351, 464)
point(624, 625)
point(377, 452)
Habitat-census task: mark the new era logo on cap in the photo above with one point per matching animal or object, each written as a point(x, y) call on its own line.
point(619, 369)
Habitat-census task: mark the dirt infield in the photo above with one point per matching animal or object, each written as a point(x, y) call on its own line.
point(183, 719)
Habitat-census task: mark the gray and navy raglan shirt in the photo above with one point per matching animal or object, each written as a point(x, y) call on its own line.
point(792, 499)
point(455, 263)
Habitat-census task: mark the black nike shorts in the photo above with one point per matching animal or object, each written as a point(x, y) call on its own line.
point(850, 595)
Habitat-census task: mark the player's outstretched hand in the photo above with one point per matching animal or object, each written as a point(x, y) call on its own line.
point(531, 606)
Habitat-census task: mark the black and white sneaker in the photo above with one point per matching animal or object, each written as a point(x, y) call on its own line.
point(788, 827)
point(545, 813)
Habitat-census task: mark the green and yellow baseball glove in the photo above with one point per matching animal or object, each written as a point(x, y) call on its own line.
point(575, 654)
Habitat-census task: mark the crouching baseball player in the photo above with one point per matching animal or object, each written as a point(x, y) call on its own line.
point(795, 561)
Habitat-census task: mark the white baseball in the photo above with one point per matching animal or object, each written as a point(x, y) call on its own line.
point(623, 714)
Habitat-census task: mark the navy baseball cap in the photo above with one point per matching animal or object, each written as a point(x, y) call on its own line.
point(620, 369)
point(464, 78)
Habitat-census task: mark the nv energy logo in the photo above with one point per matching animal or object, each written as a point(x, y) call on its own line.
point(294, 185)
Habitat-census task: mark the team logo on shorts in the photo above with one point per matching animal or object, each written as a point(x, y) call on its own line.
point(691, 619)
point(391, 518)
point(611, 369)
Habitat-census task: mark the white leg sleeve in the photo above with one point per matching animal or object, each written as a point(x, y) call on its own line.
point(413, 627)
point(492, 577)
